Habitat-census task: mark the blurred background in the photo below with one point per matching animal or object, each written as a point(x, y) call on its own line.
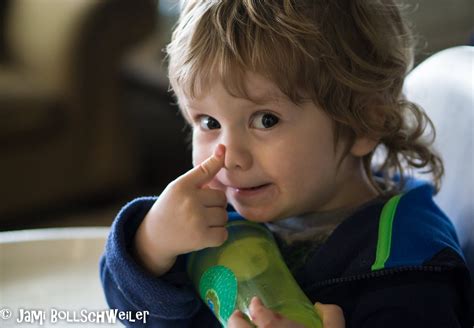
point(86, 121)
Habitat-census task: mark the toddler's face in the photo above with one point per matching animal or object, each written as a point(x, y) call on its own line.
point(280, 157)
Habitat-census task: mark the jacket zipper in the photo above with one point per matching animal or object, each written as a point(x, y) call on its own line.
point(380, 273)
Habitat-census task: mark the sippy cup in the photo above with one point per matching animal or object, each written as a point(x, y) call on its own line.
point(248, 264)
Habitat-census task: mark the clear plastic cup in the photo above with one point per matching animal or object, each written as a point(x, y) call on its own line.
point(248, 264)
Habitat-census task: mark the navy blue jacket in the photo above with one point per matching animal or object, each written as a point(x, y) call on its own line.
point(395, 263)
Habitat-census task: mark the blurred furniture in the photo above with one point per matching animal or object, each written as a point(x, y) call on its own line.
point(443, 85)
point(163, 148)
point(63, 130)
point(51, 268)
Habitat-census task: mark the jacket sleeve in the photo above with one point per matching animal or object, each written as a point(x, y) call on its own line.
point(170, 299)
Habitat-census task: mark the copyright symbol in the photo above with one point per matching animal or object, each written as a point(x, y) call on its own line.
point(5, 313)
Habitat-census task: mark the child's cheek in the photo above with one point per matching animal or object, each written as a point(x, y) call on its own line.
point(202, 148)
point(199, 156)
point(215, 184)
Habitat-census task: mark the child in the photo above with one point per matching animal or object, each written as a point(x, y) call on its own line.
point(288, 100)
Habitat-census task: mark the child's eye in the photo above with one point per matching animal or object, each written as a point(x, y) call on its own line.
point(208, 123)
point(264, 121)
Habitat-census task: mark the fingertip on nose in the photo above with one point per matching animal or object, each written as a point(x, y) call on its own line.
point(219, 151)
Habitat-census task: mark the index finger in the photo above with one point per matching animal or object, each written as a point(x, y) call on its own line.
point(207, 170)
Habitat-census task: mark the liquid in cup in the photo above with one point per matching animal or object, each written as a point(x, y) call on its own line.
point(248, 264)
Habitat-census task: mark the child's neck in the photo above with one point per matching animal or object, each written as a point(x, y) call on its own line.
point(355, 189)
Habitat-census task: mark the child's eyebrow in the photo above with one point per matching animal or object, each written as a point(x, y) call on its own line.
point(267, 96)
point(185, 112)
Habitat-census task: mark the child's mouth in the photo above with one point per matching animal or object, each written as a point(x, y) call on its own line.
point(249, 191)
point(252, 195)
point(252, 188)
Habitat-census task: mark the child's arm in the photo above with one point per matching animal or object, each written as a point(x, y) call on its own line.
point(170, 299)
point(141, 269)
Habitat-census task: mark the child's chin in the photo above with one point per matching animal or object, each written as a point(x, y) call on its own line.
point(256, 215)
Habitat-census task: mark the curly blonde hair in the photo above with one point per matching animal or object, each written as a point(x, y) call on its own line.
point(349, 57)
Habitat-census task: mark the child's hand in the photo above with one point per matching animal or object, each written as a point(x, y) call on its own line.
point(262, 317)
point(331, 315)
point(187, 216)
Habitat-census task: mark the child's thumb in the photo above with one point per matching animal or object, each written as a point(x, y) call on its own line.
point(331, 315)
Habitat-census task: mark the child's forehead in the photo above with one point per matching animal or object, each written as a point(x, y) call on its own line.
point(252, 87)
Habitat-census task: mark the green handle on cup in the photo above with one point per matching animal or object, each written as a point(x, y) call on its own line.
point(248, 264)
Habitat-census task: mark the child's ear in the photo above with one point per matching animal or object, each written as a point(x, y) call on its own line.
point(362, 146)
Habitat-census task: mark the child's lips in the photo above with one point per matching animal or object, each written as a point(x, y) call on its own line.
point(248, 188)
point(250, 191)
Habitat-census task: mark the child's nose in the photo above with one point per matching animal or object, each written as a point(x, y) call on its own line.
point(238, 153)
